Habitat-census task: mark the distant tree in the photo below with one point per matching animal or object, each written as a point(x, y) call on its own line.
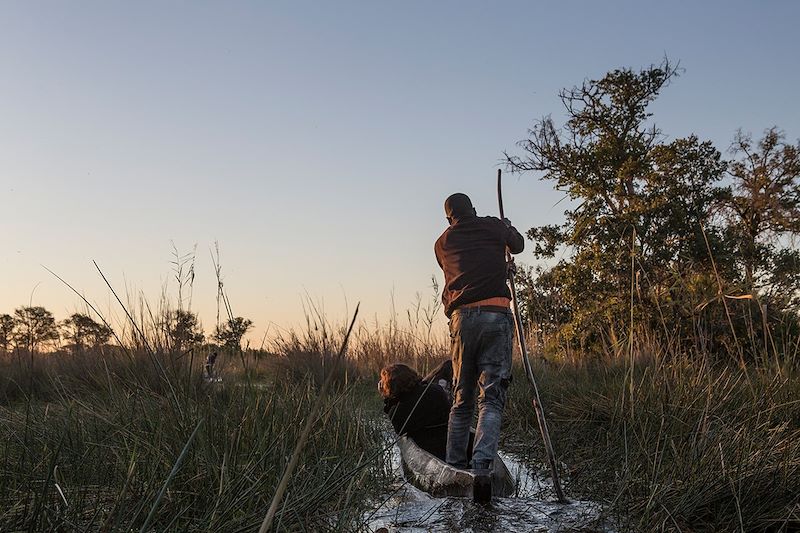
point(82, 331)
point(230, 333)
point(6, 331)
point(682, 234)
point(654, 231)
point(34, 326)
point(184, 330)
point(635, 229)
point(764, 212)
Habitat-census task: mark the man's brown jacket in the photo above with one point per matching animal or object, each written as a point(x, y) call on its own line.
point(472, 254)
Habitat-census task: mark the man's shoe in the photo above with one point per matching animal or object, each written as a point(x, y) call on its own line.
point(482, 486)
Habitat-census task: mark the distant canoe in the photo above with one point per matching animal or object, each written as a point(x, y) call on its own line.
point(429, 473)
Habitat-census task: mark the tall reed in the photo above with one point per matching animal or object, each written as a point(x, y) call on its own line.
point(705, 448)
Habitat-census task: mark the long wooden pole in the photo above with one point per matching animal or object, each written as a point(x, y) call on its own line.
point(537, 402)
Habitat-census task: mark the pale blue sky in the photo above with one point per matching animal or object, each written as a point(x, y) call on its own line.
point(317, 141)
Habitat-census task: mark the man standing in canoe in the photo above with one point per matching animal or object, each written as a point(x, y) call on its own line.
point(472, 254)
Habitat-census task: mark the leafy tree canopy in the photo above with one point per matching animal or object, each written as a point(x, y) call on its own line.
point(656, 229)
point(83, 331)
point(34, 326)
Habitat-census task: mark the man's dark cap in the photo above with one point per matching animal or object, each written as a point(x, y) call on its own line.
point(458, 205)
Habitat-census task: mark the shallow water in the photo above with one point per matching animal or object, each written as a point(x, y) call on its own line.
point(405, 508)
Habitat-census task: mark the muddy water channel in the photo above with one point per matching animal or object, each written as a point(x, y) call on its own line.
point(405, 508)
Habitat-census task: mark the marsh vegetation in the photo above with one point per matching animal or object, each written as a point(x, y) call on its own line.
point(113, 441)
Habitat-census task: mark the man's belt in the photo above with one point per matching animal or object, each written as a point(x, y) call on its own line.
point(497, 304)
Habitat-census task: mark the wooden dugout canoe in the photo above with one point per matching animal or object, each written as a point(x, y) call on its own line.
point(429, 473)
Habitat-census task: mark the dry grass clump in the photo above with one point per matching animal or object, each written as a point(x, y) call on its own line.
point(310, 351)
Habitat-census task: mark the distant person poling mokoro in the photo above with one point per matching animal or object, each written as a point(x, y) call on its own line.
point(208, 366)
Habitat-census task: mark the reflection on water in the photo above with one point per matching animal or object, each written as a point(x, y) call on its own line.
point(406, 508)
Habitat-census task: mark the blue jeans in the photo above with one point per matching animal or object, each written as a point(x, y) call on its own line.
point(480, 346)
